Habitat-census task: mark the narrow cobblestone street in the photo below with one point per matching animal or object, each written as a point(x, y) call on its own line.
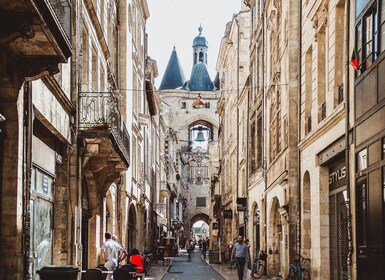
point(197, 269)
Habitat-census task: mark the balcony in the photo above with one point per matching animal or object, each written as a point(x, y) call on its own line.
point(100, 121)
point(164, 190)
point(38, 32)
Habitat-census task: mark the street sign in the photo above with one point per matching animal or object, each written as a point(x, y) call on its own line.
point(228, 214)
point(241, 204)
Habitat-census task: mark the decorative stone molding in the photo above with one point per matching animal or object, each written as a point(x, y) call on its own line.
point(321, 16)
point(36, 68)
point(23, 29)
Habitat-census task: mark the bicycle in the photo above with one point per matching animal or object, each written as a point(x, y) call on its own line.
point(147, 256)
point(259, 265)
point(297, 272)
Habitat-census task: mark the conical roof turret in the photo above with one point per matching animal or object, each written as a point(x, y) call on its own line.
point(173, 76)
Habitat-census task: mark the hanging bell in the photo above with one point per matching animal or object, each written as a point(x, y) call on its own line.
point(200, 137)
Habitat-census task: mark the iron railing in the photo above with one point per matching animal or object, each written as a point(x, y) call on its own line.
point(99, 112)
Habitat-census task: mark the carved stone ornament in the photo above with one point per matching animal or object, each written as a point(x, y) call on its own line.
point(18, 25)
point(35, 68)
point(321, 17)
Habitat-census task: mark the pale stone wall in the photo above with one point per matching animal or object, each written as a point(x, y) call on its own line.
point(322, 73)
point(179, 120)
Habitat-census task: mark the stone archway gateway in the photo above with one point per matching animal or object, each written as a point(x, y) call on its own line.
point(198, 217)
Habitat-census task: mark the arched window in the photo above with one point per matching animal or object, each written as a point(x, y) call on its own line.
point(201, 57)
point(200, 134)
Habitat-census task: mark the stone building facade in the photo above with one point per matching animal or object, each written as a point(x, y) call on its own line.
point(67, 120)
point(36, 133)
point(233, 69)
point(315, 152)
point(367, 155)
point(189, 113)
point(325, 225)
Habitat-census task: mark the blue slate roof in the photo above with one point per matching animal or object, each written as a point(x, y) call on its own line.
point(200, 79)
point(200, 40)
point(173, 76)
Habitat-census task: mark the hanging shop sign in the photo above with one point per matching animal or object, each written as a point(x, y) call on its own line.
point(228, 214)
point(144, 119)
point(241, 204)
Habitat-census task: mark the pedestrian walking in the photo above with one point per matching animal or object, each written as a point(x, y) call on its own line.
point(240, 255)
point(124, 255)
point(112, 252)
point(204, 249)
point(189, 248)
point(248, 264)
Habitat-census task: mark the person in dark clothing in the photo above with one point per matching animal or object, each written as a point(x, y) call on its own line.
point(189, 248)
point(240, 255)
point(204, 249)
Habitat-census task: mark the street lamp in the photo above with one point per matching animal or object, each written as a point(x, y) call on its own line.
point(198, 103)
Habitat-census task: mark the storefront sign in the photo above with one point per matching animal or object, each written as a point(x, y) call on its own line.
point(241, 204)
point(337, 175)
point(144, 119)
point(228, 214)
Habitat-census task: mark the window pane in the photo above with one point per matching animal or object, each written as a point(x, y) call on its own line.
point(382, 11)
point(383, 148)
point(382, 34)
point(360, 5)
point(359, 42)
point(368, 37)
point(375, 35)
point(361, 214)
point(362, 161)
point(44, 184)
point(43, 233)
point(201, 202)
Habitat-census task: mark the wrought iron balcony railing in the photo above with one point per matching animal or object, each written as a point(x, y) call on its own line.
point(99, 114)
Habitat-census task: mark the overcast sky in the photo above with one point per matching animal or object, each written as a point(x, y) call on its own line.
point(176, 22)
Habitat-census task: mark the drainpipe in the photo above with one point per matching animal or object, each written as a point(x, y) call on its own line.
point(27, 139)
point(264, 166)
point(347, 126)
point(299, 200)
point(237, 190)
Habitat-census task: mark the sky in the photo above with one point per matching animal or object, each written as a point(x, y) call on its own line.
point(176, 22)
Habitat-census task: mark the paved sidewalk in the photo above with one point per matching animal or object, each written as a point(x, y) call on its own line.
point(230, 272)
point(158, 271)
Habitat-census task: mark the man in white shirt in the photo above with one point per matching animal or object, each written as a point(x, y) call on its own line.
point(112, 253)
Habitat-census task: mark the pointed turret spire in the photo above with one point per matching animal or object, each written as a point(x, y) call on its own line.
point(200, 78)
point(173, 76)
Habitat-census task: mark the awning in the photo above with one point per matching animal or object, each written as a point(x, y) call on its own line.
point(150, 97)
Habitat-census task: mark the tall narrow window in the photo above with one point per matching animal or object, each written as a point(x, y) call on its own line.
point(259, 142)
point(382, 27)
point(368, 47)
point(361, 214)
point(252, 148)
